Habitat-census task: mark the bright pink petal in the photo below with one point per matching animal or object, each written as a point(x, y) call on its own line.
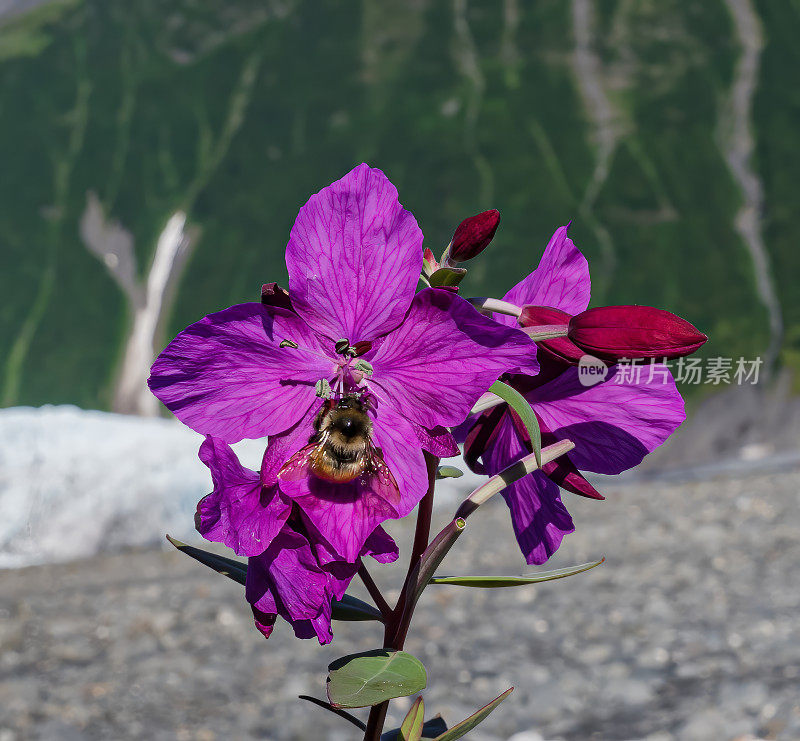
point(227, 376)
point(561, 279)
point(395, 436)
point(281, 447)
point(436, 365)
point(354, 257)
point(539, 517)
point(613, 425)
point(238, 512)
point(345, 514)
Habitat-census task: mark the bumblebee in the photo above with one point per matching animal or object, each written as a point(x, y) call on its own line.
point(341, 448)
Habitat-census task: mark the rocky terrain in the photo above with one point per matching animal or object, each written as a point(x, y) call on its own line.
point(688, 631)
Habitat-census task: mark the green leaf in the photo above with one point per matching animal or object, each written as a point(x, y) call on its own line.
point(430, 729)
point(493, 582)
point(465, 726)
point(447, 276)
point(520, 405)
point(236, 570)
point(370, 678)
point(352, 609)
point(336, 711)
point(411, 727)
point(448, 472)
point(349, 608)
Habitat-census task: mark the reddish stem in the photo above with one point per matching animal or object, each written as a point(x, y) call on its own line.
point(399, 620)
point(374, 592)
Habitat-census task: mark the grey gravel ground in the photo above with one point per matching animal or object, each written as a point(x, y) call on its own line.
point(689, 631)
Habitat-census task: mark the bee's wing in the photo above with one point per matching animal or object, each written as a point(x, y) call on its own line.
point(298, 465)
point(382, 480)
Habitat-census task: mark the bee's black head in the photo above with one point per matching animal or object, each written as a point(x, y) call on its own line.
point(350, 423)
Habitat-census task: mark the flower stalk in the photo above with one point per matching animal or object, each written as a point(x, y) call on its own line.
point(486, 305)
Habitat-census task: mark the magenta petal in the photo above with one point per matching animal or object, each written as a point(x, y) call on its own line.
point(381, 546)
point(238, 512)
point(354, 257)
point(281, 447)
point(344, 514)
point(539, 517)
point(613, 425)
point(439, 441)
point(436, 365)
point(286, 579)
point(227, 376)
point(560, 281)
point(395, 436)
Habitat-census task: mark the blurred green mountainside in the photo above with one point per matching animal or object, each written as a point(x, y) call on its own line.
point(618, 115)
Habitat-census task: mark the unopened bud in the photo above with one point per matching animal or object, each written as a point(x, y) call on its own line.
point(615, 332)
point(273, 295)
point(561, 349)
point(473, 235)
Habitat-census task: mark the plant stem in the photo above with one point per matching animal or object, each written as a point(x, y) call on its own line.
point(374, 592)
point(397, 624)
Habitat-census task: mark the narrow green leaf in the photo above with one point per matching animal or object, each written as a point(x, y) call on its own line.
point(493, 582)
point(465, 726)
point(448, 472)
point(347, 609)
point(370, 678)
point(411, 727)
point(447, 276)
point(520, 405)
point(352, 609)
point(236, 570)
point(430, 729)
point(336, 711)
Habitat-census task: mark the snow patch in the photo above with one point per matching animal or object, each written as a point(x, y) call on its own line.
point(74, 483)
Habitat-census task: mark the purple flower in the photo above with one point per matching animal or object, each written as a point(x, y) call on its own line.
point(613, 424)
point(351, 323)
point(292, 571)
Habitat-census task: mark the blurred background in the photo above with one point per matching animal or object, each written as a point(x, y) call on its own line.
point(154, 156)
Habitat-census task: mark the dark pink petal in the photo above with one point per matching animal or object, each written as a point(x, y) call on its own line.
point(226, 375)
point(273, 295)
point(563, 472)
point(436, 365)
point(286, 579)
point(438, 441)
point(561, 279)
point(539, 517)
point(613, 425)
point(354, 257)
point(615, 332)
point(381, 546)
point(265, 622)
point(239, 512)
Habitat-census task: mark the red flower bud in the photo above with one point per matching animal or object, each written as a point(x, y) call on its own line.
point(473, 235)
point(561, 349)
point(432, 261)
point(615, 332)
point(273, 295)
